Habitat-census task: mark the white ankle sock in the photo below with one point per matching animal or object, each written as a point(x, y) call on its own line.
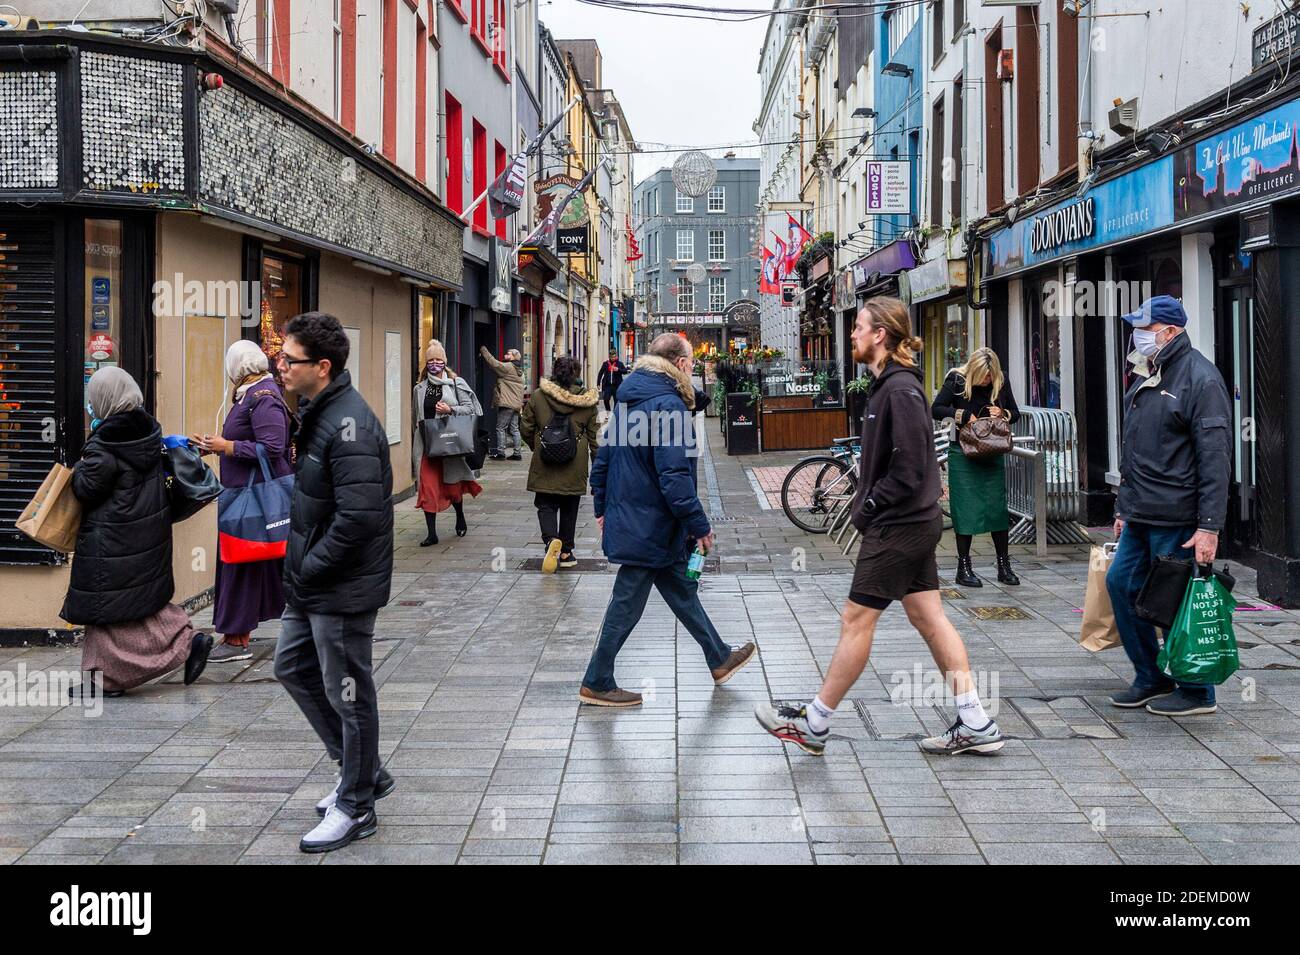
point(970, 711)
point(819, 715)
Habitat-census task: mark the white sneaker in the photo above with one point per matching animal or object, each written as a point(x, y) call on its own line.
point(384, 784)
point(337, 830)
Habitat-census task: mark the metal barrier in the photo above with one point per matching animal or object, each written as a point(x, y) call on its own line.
point(1043, 485)
point(1029, 467)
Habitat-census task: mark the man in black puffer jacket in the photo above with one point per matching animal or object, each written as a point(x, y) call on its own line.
point(337, 573)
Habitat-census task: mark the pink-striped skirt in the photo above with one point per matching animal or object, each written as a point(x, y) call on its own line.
point(131, 654)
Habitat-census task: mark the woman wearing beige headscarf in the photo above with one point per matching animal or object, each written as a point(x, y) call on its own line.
point(121, 583)
point(250, 593)
point(444, 482)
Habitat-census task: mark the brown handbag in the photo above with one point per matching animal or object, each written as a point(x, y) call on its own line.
point(982, 438)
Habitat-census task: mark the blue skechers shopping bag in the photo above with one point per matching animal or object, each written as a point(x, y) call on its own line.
point(253, 521)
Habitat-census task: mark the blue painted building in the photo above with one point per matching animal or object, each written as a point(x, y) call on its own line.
point(899, 103)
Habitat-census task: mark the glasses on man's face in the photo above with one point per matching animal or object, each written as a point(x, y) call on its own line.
point(284, 359)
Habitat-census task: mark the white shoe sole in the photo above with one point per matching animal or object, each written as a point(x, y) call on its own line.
point(1199, 711)
point(591, 701)
point(747, 661)
point(983, 749)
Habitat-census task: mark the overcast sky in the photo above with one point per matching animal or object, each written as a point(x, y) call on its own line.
point(681, 81)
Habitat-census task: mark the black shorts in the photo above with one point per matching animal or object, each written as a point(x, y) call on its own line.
point(896, 560)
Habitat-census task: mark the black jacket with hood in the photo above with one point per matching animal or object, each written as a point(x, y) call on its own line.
point(1176, 455)
point(898, 480)
point(122, 567)
point(340, 554)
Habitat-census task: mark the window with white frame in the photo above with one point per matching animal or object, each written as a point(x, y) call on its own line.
point(717, 293)
point(656, 212)
point(685, 203)
point(685, 295)
point(718, 199)
point(686, 245)
point(901, 19)
point(717, 245)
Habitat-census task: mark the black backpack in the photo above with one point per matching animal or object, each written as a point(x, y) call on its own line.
point(558, 444)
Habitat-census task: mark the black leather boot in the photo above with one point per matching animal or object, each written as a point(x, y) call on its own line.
point(461, 526)
point(1005, 574)
point(966, 574)
point(430, 522)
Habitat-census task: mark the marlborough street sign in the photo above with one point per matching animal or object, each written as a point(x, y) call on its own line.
point(1275, 40)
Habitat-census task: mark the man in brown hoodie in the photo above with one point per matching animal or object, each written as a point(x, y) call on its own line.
point(508, 399)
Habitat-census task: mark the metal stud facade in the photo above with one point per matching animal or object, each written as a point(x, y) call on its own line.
point(132, 124)
point(29, 131)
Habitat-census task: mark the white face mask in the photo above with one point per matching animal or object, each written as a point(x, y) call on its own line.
point(1144, 342)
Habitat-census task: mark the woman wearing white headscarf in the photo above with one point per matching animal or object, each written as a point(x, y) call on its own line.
point(249, 593)
point(121, 584)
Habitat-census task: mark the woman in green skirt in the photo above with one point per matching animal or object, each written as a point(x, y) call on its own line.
point(977, 490)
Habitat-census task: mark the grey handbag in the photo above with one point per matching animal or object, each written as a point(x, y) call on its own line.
point(447, 436)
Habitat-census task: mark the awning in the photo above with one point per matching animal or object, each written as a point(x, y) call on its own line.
point(891, 259)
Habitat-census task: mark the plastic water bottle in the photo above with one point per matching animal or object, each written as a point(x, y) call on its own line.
point(695, 565)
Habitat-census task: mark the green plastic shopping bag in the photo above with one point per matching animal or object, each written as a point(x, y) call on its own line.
point(1201, 647)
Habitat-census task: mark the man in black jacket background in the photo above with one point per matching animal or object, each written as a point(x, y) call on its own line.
point(896, 509)
point(337, 573)
point(1174, 467)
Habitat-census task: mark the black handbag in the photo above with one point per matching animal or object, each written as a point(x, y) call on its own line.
point(191, 484)
point(474, 459)
point(1166, 584)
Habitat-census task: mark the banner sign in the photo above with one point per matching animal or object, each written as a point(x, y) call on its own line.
point(1251, 161)
point(572, 241)
point(1254, 161)
point(1121, 208)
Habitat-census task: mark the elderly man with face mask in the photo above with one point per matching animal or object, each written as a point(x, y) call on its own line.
point(1173, 489)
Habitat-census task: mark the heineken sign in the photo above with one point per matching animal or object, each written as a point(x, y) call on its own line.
point(1068, 224)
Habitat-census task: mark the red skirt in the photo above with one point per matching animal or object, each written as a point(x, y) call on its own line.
point(434, 494)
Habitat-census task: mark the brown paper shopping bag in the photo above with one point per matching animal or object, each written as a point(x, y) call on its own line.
point(53, 516)
point(1098, 630)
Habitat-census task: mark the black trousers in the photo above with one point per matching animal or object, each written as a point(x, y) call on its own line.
point(324, 661)
point(558, 516)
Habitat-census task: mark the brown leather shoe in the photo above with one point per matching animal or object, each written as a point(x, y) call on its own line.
point(609, 697)
point(739, 657)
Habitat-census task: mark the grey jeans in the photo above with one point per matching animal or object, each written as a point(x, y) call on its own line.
point(508, 430)
point(324, 661)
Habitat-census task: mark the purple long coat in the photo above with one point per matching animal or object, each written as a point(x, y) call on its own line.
point(247, 594)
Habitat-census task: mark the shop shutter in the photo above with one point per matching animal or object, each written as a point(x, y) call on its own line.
point(29, 440)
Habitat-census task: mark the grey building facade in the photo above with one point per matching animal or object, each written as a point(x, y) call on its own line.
point(716, 231)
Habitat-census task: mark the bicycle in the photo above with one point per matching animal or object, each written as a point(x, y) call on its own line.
point(818, 487)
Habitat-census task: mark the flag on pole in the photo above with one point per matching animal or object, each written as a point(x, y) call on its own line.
point(798, 236)
point(767, 281)
point(781, 265)
point(633, 248)
point(544, 234)
point(506, 194)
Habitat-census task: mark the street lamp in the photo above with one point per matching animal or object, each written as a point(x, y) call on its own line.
point(864, 112)
point(894, 68)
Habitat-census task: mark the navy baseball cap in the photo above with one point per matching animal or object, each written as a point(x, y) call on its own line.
point(1164, 309)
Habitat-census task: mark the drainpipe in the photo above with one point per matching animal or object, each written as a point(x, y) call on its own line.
point(1086, 135)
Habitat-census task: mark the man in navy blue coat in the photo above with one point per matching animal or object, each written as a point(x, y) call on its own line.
point(650, 516)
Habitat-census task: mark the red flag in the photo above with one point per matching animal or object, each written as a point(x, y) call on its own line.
point(782, 266)
point(634, 252)
point(767, 282)
point(798, 236)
